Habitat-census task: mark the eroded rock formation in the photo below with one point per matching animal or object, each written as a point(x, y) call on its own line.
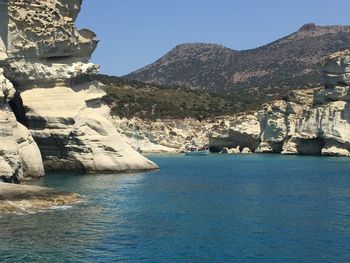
point(29, 198)
point(20, 157)
point(46, 58)
point(240, 131)
point(164, 135)
point(308, 122)
point(171, 135)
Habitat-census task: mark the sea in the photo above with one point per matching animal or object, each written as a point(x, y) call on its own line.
point(220, 208)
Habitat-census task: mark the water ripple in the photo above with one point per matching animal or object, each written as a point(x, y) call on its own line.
point(215, 209)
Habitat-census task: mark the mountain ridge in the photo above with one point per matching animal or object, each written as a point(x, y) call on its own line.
point(291, 62)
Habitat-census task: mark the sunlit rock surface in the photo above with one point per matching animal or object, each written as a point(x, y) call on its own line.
point(16, 198)
point(240, 131)
point(173, 135)
point(47, 59)
point(309, 122)
point(163, 136)
point(20, 157)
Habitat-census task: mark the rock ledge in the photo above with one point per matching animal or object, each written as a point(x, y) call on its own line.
point(27, 198)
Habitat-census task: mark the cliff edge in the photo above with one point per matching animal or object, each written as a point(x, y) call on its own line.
point(307, 122)
point(48, 102)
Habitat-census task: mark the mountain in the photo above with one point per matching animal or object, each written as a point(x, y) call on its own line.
point(261, 74)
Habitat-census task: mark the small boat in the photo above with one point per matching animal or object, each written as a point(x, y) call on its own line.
point(194, 150)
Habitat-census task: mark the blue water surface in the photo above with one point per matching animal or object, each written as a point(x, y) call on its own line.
point(240, 208)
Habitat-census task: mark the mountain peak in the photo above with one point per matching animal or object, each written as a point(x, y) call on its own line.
point(308, 27)
point(269, 71)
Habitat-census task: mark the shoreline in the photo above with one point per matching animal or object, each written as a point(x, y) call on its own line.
point(247, 154)
point(16, 198)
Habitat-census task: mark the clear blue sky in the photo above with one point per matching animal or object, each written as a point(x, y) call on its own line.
point(134, 33)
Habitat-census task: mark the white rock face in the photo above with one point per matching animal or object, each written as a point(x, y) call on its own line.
point(290, 147)
point(39, 28)
point(323, 129)
point(29, 153)
point(308, 122)
point(337, 70)
point(171, 135)
point(47, 59)
point(236, 131)
point(226, 150)
point(163, 136)
point(278, 121)
point(246, 150)
point(274, 127)
point(312, 121)
point(20, 157)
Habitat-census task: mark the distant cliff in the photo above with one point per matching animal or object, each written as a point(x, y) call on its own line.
point(256, 75)
point(313, 121)
point(306, 122)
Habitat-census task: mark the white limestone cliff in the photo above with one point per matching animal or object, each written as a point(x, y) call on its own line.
point(48, 60)
point(173, 135)
point(307, 122)
point(20, 157)
point(162, 136)
point(240, 131)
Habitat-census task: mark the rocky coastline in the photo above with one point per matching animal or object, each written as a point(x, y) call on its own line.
point(52, 117)
point(163, 135)
point(312, 121)
point(307, 122)
point(27, 198)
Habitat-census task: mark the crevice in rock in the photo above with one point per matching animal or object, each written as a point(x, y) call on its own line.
point(82, 79)
point(58, 58)
point(10, 180)
point(215, 149)
point(277, 147)
point(17, 107)
point(310, 146)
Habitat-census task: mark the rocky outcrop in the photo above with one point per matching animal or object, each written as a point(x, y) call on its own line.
point(226, 150)
point(225, 134)
point(240, 131)
point(47, 60)
point(308, 122)
point(324, 127)
point(163, 136)
point(29, 199)
point(246, 150)
point(20, 157)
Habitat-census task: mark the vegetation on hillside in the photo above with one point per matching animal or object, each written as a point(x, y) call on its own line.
point(205, 80)
point(132, 98)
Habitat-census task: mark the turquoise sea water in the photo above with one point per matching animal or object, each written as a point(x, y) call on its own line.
point(255, 208)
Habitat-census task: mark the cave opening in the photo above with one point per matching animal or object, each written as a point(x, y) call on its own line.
point(17, 107)
point(310, 146)
point(58, 58)
point(215, 149)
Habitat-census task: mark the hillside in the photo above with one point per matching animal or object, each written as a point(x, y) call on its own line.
point(136, 99)
point(262, 74)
